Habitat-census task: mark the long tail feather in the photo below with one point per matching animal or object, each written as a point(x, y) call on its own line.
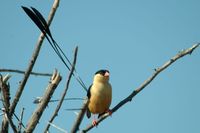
point(41, 23)
point(35, 19)
point(39, 20)
point(39, 15)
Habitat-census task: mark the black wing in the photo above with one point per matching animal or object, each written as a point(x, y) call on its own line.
point(88, 113)
point(88, 92)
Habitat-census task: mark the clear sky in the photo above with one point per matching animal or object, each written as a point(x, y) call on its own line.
point(130, 38)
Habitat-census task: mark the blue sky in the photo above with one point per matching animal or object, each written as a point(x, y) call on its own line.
point(130, 38)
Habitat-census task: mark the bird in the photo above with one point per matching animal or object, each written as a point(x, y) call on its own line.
point(99, 95)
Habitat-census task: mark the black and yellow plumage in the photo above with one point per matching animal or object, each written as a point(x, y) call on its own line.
point(99, 94)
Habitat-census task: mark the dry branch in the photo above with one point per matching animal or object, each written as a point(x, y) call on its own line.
point(145, 83)
point(33, 121)
point(32, 60)
point(23, 72)
point(64, 92)
point(5, 89)
point(80, 116)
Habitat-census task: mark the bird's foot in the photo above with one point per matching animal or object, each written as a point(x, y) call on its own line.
point(94, 123)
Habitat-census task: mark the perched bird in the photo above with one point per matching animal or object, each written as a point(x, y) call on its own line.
point(99, 94)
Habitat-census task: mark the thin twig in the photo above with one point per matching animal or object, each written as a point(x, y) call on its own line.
point(37, 100)
point(67, 99)
point(33, 121)
point(64, 92)
point(74, 109)
point(32, 60)
point(145, 83)
point(23, 72)
point(20, 124)
point(19, 120)
point(60, 129)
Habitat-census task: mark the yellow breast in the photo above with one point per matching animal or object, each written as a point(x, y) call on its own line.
point(101, 96)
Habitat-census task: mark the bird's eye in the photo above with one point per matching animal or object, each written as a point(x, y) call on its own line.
point(101, 73)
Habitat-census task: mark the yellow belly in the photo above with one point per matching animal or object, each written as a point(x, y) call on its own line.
point(100, 99)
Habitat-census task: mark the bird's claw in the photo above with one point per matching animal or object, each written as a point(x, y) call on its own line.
point(94, 123)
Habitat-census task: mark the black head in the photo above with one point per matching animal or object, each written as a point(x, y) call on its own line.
point(102, 72)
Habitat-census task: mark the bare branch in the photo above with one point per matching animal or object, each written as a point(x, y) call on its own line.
point(33, 121)
point(7, 117)
point(5, 88)
point(23, 72)
point(145, 83)
point(32, 60)
point(79, 118)
point(64, 92)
